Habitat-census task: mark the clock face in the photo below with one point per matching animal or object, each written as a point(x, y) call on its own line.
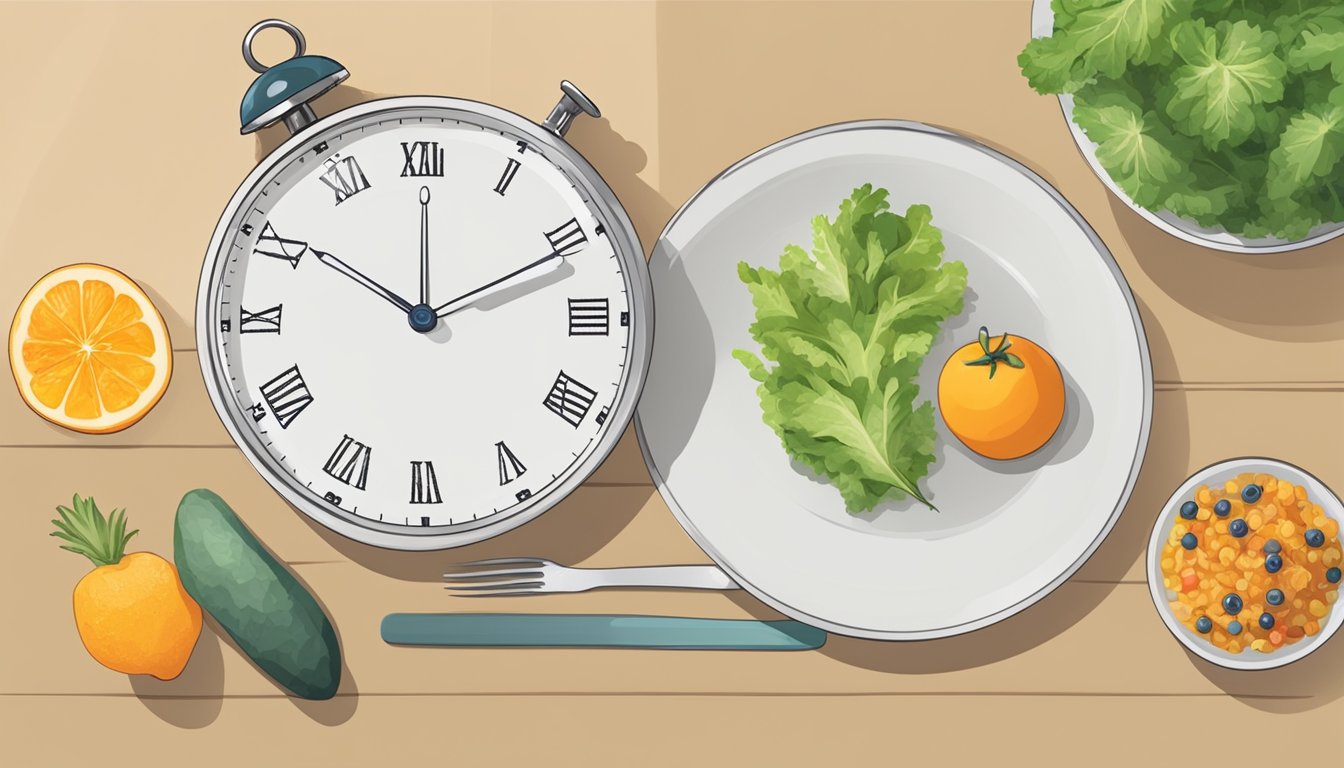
point(421, 323)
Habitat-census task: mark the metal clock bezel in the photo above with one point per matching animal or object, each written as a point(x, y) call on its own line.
point(619, 230)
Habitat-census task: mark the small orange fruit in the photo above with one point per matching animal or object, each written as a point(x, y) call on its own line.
point(1001, 404)
point(132, 613)
point(88, 349)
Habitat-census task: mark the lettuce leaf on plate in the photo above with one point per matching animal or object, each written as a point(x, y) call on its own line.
point(842, 332)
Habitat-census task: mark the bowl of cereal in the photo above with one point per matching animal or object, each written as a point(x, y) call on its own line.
point(1244, 563)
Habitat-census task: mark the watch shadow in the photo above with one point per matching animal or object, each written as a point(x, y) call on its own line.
point(619, 161)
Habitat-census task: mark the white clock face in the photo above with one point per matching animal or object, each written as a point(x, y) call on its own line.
point(394, 398)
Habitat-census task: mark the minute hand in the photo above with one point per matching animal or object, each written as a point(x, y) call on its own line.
point(545, 264)
point(359, 277)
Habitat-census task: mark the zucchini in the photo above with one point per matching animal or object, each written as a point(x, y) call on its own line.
point(267, 612)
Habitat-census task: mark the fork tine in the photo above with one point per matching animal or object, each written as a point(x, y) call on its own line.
point(485, 575)
point(535, 562)
point(498, 586)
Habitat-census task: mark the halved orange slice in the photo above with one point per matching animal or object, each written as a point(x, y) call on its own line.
point(88, 349)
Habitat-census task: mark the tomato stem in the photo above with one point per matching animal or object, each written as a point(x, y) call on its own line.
point(999, 354)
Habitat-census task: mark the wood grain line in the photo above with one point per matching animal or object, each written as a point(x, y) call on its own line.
point(1249, 386)
point(682, 694)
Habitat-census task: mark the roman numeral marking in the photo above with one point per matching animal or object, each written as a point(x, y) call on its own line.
point(589, 317)
point(349, 463)
point(345, 178)
point(424, 484)
point(568, 238)
point(287, 395)
point(422, 158)
point(510, 468)
point(277, 247)
point(265, 321)
point(569, 399)
point(510, 171)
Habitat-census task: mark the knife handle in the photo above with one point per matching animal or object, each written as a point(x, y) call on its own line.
point(513, 630)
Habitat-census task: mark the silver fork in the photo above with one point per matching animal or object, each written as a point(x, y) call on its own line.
point(516, 576)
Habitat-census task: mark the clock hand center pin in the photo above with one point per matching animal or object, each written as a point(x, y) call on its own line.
point(422, 317)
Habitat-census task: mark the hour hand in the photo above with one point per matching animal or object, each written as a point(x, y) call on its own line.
point(359, 277)
point(537, 268)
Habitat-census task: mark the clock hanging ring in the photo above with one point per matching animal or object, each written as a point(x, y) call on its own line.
point(424, 320)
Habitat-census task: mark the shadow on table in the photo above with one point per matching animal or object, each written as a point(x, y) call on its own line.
point(573, 531)
point(1282, 296)
point(194, 698)
point(620, 161)
point(1307, 684)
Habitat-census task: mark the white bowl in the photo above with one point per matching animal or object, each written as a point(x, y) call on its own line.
point(1216, 475)
point(1042, 25)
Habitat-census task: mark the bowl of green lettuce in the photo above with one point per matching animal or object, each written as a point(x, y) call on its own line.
point(1219, 121)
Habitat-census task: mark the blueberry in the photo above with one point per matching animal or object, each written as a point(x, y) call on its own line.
point(1274, 597)
point(1266, 621)
point(1204, 624)
point(1273, 547)
point(1189, 509)
point(1314, 537)
point(1250, 494)
point(1332, 575)
point(1222, 507)
point(1189, 541)
point(1238, 528)
point(1232, 604)
point(1234, 628)
point(1273, 563)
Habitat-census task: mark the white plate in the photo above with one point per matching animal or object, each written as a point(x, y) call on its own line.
point(1042, 25)
point(1217, 475)
point(1008, 532)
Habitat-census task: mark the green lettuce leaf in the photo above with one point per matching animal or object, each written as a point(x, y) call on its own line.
point(1310, 148)
point(1139, 153)
point(1242, 93)
point(842, 333)
point(1229, 70)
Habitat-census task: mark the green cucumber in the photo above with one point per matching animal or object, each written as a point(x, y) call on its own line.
point(267, 612)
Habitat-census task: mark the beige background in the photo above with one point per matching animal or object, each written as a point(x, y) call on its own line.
point(120, 145)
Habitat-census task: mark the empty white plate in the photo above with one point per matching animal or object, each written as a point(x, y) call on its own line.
point(1008, 532)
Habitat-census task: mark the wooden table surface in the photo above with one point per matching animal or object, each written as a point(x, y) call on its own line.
point(121, 146)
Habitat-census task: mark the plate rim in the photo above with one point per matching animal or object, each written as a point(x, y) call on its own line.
point(1141, 339)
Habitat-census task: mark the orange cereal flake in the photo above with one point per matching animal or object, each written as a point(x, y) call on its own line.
point(1274, 523)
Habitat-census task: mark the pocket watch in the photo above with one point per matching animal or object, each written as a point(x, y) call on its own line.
point(424, 320)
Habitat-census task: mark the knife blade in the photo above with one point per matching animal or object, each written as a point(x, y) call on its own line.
point(515, 630)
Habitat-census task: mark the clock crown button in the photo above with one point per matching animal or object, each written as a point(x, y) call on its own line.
point(282, 91)
point(572, 104)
